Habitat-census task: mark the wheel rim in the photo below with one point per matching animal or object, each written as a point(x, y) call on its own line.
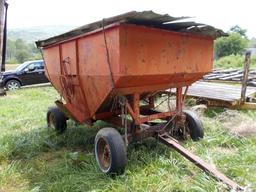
point(13, 85)
point(103, 154)
point(51, 121)
point(187, 129)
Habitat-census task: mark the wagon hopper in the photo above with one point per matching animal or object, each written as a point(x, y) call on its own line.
point(114, 69)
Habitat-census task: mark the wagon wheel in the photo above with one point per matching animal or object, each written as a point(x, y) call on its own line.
point(110, 151)
point(194, 125)
point(56, 119)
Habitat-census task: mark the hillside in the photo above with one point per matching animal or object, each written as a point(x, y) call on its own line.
point(33, 34)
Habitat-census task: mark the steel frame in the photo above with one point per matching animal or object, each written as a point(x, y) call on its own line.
point(139, 128)
point(135, 110)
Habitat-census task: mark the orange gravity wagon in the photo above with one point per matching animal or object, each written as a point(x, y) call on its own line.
point(116, 70)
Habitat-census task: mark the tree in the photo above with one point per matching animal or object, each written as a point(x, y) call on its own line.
point(19, 50)
point(235, 43)
point(239, 30)
point(22, 55)
point(21, 45)
point(252, 42)
point(11, 50)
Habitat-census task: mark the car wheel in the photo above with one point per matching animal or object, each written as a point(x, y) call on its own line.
point(12, 85)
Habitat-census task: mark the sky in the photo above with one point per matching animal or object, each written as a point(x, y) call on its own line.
point(222, 14)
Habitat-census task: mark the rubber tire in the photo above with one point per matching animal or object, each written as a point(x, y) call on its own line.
point(118, 154)
point(60, 124)
point(12, 80)
point(195, 125)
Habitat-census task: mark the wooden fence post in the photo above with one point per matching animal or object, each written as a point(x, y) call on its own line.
point(247, 63)
point(3, 12)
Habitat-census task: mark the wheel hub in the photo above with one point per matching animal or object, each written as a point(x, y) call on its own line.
point(103, 153)
point(13, 86)
point(51, 120)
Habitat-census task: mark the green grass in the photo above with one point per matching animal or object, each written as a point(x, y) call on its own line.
point(33, 158)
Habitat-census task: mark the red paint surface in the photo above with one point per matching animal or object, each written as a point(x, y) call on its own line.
point(142, 60)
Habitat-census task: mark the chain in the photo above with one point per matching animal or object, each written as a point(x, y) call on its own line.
point(123, 104)
point(118, 98)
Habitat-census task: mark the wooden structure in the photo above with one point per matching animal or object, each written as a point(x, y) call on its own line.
point(3, 34)
point(221, 95)
point(231, 76)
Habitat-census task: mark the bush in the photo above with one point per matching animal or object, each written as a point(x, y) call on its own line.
point(233, 61)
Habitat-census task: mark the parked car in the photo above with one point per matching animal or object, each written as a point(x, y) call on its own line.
point(28, 73)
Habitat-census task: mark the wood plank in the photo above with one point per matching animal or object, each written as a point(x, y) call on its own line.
point(222, 81)
point(217, 91)
point(231, 76)
point(246, 105)
point(227, 75)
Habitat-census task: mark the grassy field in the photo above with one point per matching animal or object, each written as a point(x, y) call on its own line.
point(11, 66)
point(33, 158)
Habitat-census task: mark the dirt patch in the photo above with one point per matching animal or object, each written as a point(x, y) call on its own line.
point(238, 123)
point(14, 183)
point(10, 96)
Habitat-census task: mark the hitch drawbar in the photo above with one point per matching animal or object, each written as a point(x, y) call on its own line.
point(171, 142)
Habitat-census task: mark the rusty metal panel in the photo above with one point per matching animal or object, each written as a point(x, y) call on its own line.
point(52, 65)
point(182, 25)
point(151, 56)
point(141, 59)
point(69, 57)
point(94, 68)
point(148, 51)
point(145, 18)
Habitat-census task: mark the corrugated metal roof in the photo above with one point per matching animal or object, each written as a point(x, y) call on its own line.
point(146, 18)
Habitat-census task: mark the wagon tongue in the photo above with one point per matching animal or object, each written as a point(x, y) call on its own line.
point(171, 142)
